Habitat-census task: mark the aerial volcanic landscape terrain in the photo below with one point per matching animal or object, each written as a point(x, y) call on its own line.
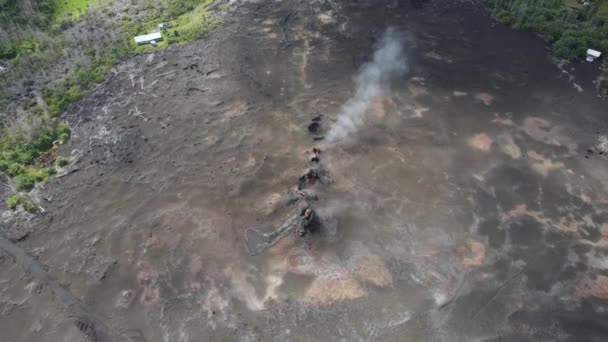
point(449, 183)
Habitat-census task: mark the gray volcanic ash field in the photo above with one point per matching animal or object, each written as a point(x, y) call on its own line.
point(461, 188)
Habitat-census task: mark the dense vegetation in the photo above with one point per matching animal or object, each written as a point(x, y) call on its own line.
point(569, 25)
point(16, 200)
point(52, 52)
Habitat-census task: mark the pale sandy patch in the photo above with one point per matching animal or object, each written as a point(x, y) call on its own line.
point(542, 164)
point(593, 286)
point(371, 269)
point(521, 210)
point(326, 18)
point(507, 145)
point(419, 112)
point(270, 203)
point(147, 279)
point(436, 56)
point(481, 142)
point(484, 98)
point(540, 130)
point(236, 110)
point(377, 110)
point(568, 224)
point(333, 289)
point(503, 122)
point(250, 163)
point(243, 288)
point(478, 254)
point(603, 241)
point(417, 90)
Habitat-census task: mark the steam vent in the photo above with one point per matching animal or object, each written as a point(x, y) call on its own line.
point(323, 170)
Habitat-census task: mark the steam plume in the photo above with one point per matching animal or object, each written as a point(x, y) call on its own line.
point(372, 80)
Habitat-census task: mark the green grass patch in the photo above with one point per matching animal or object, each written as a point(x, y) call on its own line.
point(187, 19)
point(602, 8)
point(26, 180)
point(19, 200)
point(193, 24)
point(72, 9)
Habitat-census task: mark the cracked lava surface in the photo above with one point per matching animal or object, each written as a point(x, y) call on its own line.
point(468, 207)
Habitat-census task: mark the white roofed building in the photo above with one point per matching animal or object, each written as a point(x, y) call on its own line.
point(147, 38)
point(593, 55)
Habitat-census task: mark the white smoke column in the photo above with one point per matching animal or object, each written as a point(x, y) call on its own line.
point(372, 81)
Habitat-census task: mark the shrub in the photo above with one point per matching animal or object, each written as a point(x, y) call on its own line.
point(26, 180)
point(8, 52)
point(63, 95)
point(37, 110)
point(22, 145)
point(63, 133)
point(15, 169)
point(17, 199)
point(14, 148)
point(18, 155)
point(44, 140)
point(13, 201)
point(61, 162)
point(29, 206)
point(505, 17)
point(178, 7)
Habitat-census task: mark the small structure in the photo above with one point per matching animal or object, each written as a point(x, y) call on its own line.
point(593, 55)
point(148, 38)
